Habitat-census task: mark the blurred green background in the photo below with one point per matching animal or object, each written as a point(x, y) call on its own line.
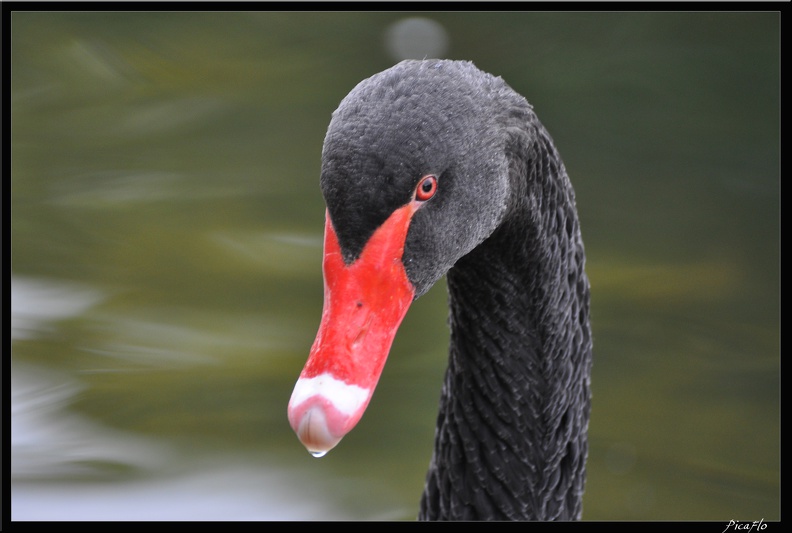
point(166, 258)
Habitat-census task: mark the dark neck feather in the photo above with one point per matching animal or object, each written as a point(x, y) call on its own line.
point(511, 438)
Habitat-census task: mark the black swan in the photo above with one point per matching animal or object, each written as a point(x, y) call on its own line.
point(435, 167)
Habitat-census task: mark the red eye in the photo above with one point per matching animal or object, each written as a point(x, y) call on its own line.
point(426, 188)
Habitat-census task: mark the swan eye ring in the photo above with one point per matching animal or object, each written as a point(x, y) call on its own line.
point(427, 188)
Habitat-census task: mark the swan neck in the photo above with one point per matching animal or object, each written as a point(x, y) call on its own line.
point(516, 395)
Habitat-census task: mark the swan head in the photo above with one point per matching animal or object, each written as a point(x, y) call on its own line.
point(417, 119)
point(415, 175)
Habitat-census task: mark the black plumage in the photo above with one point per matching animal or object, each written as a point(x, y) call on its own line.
point(511, 432)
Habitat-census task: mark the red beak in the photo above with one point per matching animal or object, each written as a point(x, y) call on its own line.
point(364, 304)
